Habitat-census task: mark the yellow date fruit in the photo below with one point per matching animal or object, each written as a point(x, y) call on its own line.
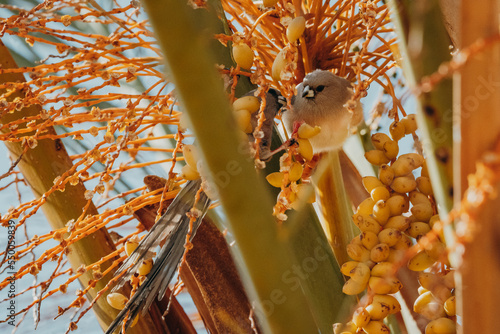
point(117, 300)
point(305, 149)
point(376, 327)
point(380, 193)
point(366, 207)
point(403, 184)
point(306, 131)
point(295, 172)
point(191, 156)
point(378, 311)
point(189, 173)
point(279, 64)
point(410, 123)
point(392, 302)
point(420, 261)
point(145, 267)
point(441, 326)
point(369, 239)
point(450, 306)
point(351, 287)
point(130, 247)
point(243, 55)
point(397, 130)
point(295, 29)
point(386, 174)
point(379, 253)
point(390, 236)
point(371, 182)
point(379, 139)
point(275, 179)
point(376, 157)
point(250, 103)
point(361, 317)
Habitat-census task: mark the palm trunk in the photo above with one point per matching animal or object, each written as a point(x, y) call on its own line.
point(478, 119)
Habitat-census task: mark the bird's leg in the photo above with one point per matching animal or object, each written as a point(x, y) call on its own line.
point(296, 126)
point(284, 146)
point(290, 142)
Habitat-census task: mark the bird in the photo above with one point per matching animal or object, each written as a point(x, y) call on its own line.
point(320, 100)
point(274, 103)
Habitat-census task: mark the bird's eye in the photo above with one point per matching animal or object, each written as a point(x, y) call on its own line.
point(320, 88)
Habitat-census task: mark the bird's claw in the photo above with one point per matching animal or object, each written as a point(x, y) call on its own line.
point(290, 142)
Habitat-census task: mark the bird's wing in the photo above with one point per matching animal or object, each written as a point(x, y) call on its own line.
point(274, 102)
point(173, 225)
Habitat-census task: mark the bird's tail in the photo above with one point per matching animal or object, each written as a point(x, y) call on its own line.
point(172, 227)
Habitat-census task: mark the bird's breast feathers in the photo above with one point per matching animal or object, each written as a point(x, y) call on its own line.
point(334, 131)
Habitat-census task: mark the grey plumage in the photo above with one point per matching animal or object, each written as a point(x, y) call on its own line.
point(320, 101)
point(274, 102)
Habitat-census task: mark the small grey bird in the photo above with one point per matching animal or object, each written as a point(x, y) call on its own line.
point(274, 102)
point(320, 101)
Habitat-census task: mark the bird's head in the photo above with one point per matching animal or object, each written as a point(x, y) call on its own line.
point(321, 84)
point(320, 101)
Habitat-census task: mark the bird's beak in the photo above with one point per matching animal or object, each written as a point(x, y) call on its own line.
point(308, 92)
